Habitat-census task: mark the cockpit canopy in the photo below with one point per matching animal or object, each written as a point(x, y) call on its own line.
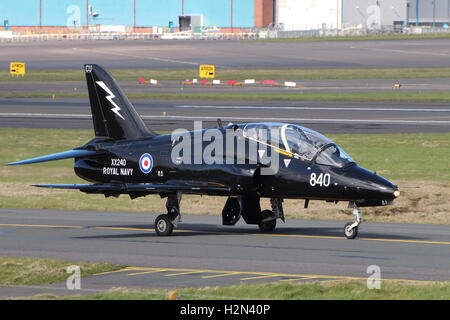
point(300, 141)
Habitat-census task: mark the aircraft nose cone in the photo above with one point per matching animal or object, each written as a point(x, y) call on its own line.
point(388, 190)
point(369, 182)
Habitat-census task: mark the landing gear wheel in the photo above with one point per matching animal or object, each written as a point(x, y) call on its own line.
point(163, 225)
point(267, 226)
point(350, 233)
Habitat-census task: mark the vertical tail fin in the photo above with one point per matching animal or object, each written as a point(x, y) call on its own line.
point(113, 114)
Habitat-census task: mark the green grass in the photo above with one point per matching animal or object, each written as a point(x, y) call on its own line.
point(238, 74)
point(289, 291)
point(419, 156)
point(33, 271)
point(415, 157)
point(389, 96)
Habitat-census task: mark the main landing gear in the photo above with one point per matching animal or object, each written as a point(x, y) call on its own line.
point(351, 228)
point(269, 217)
point(165, 223)
point(248, 207)
point(267, 223)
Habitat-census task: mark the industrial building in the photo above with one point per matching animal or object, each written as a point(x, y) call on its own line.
point(369, 14)
point(428, 12)
point(224, 14)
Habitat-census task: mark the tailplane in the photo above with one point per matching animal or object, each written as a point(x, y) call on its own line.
point(113, 114)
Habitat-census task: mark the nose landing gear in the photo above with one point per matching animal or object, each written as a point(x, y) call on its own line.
point(351, 228)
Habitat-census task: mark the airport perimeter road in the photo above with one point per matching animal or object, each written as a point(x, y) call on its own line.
point(186, 54)
point(166, 115)
point(201, 252)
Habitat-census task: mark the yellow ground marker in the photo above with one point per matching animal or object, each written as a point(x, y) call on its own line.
point(146, 272)
point(39, 226)
point(181, 273)
point(114, 271)
point(172, 295)
point(222, 275)
point(254, 275)
point(258, 277)
point(123, 228)
point(144, 229)
point(300, 278)
point(363, 239)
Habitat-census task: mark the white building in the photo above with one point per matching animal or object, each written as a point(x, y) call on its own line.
point(338, 14)
point(309, 14)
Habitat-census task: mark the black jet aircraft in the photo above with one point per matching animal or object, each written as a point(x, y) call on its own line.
point(125, 157)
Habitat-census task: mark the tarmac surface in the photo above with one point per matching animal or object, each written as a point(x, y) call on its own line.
point(167, 115)
point(165, 54)
point(201, 252)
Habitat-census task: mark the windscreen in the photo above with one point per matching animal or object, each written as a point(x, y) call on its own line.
point(302, 141)
point(333, 156)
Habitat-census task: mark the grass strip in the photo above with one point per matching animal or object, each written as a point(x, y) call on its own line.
point(326, 290)
point(34, 271)
point(238, 74)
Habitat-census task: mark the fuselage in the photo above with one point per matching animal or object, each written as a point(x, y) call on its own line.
point(152, 160)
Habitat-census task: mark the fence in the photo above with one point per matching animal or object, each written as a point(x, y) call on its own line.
point(268, 33)
point(127, 36)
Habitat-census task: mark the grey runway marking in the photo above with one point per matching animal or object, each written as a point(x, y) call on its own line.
point(316, 108)
point(206, 118)
point(426, 53)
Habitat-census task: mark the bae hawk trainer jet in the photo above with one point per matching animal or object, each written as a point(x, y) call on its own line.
point(125, 157)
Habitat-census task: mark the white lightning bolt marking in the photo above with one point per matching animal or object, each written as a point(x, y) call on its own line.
point(110, 98)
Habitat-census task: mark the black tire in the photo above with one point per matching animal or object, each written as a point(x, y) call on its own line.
point(267, 226)
point(231, 212)
point(163, 225)
point(350, 234)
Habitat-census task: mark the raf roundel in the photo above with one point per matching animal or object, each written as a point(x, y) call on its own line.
point(146, 163)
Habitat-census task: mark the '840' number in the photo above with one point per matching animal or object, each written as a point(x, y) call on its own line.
point(322, 180)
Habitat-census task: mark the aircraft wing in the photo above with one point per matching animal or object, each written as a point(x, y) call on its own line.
point(141, 187)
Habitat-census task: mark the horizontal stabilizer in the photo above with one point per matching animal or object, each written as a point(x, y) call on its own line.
point(56, 156)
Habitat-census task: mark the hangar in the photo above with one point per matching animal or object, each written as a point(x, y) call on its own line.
point(370, 14)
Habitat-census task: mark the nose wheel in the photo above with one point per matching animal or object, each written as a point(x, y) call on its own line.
point(350, 233)
point(351, 228)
